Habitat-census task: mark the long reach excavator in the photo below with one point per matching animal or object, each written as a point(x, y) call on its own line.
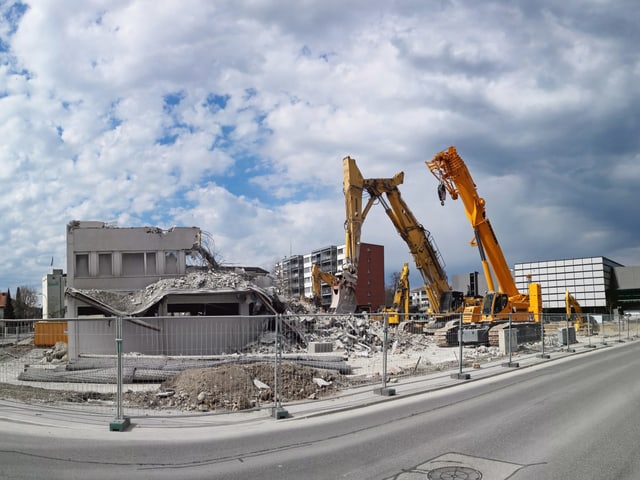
point(426, 255)
point(504, 303)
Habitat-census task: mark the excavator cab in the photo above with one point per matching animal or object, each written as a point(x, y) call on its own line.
point(451, 301)
point(494, 303)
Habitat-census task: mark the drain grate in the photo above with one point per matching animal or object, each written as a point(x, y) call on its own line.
point(454, 473)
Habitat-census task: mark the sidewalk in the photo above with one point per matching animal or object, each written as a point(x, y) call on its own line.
point(64, 422)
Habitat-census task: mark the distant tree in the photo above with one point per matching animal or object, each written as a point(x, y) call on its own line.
point(18, 305)
point(8, 308)
point(390, 290)
point(26, 303)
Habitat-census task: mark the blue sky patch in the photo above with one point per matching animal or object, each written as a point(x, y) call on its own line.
point(171, 100)
point(215, 102)
point(14, 14)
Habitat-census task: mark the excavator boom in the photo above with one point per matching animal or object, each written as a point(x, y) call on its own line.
point(505, 303)
point(574, 313)
point(421, 245)
point(454, 175)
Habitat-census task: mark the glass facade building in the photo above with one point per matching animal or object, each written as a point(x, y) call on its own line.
point(590, 280)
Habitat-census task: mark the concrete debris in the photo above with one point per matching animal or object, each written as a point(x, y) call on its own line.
point(136, 302)
point(321, 382)
point(58, 354)
point(260, 385)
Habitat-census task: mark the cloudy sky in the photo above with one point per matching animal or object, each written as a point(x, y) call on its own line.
point(234, 116)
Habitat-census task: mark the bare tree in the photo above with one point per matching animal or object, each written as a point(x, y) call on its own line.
point(26, 303)
point(390, 290)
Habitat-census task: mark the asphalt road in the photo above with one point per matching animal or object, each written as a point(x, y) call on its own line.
point(575, 418)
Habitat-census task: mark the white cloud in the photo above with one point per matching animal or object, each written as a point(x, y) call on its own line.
point(235, 115)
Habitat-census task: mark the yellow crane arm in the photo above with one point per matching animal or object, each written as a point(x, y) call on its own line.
point(451, 171)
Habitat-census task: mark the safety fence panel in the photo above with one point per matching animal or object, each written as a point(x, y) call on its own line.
point(36, 368)
point(202, 365)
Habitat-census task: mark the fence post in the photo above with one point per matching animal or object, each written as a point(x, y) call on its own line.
point(542, 354)
point(510, 363)
point(277, 411)
point(121, 422)
point(385, 331)
point(460, 375)
point(620, 317)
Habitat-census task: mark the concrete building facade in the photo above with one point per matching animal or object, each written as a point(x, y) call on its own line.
point(599, 284)
point(112, 261)
point(3, 303)
point(54, 285)
point(628, 291)
point(102, 256)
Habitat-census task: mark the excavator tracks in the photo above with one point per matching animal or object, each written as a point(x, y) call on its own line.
point(447, 336)
point(527, 332)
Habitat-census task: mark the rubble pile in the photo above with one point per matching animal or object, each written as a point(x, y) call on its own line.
point(237, 387)
point(129, 302)
point(358, 335)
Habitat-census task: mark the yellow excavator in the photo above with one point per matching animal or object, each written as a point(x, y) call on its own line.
point(400, 309)
point(499, 304)
point(574, 314)
point(426, 255)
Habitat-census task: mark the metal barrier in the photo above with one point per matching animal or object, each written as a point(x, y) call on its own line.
point(180, 365)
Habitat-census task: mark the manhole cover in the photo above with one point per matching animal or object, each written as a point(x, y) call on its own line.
point(454, 473)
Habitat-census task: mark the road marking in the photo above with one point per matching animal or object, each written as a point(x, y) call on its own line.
point(456, 466)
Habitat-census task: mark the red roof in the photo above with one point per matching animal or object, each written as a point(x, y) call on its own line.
point(3, 299)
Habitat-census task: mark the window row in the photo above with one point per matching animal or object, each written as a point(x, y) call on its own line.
point(125, 264)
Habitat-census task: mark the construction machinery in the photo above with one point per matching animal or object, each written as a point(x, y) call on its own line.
point(425, 254)
point(399, 311)
point(500, 305)
point(343, 297)
point(582, 325)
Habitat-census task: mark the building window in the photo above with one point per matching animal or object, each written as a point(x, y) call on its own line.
point(170, 262)
point(82, 265)
point(151, 263)
point(105, 266)
point(132, 264)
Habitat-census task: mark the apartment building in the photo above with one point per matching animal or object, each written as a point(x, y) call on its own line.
point(294, 274)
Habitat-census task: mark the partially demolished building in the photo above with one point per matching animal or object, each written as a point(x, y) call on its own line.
point(143, 272)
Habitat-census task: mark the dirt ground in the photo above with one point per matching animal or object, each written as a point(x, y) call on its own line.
point(238, 387)
point(225, 388)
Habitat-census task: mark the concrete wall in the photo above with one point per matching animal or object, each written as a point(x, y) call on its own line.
point(103, 257)
point(181, 333)
point(174, 335)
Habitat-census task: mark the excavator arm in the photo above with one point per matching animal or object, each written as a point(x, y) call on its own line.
point(421, 245)
point(425, 253)
point(454, 177)
point(574, 314)
point(401, 298)
point(342, 293)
